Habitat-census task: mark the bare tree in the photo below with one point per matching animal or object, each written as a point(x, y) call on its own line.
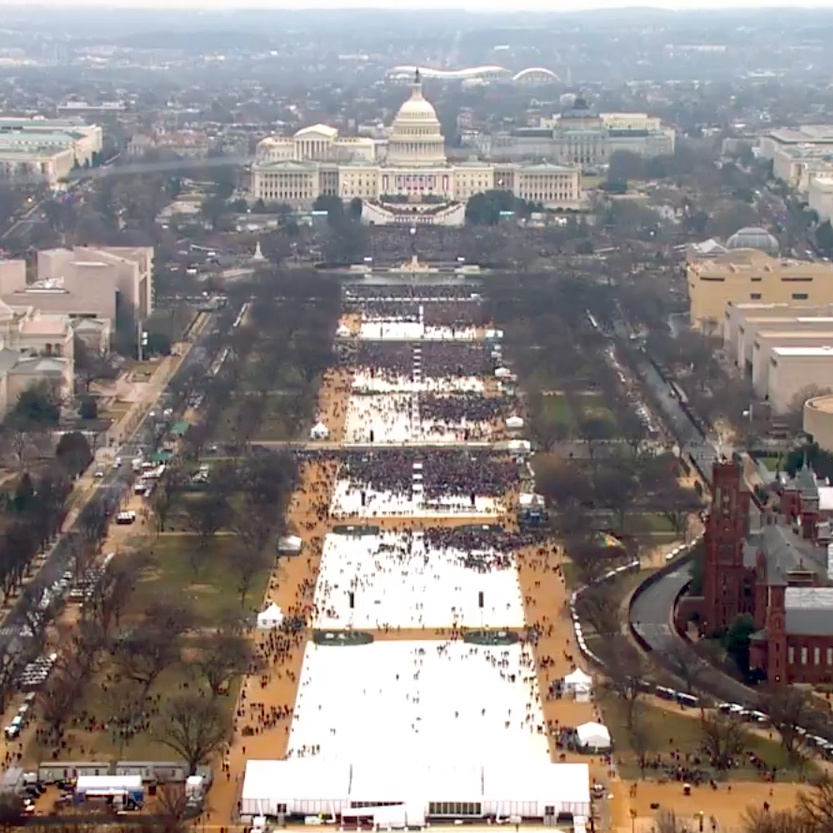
point(173, 808)
point(222, 659)
point(722, 739)
point(246, 563)
point(599, 606)
point(789, 708)
point(194, 727)
point(56, 700)
point(625, 671)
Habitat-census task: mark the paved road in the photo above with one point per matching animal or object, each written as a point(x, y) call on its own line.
point(651, 619)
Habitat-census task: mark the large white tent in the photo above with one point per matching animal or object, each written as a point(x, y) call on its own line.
point(306, 786)
point(290, 543)
point(514, 422)
point(272, 617)
point(593, 736)
point(579, 684)
point(319, 431)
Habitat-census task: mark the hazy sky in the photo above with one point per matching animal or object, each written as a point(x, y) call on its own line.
point(469, 5)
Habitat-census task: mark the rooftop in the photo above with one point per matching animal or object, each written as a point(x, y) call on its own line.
point(809, 610)
point(806, 352)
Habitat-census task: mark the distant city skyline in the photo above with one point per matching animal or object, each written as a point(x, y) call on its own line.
point(474, 6)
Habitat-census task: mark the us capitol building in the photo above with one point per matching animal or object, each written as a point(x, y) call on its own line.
point(409, 180)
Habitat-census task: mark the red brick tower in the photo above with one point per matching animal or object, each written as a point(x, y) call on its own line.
point(725, 533)
point(776, 666)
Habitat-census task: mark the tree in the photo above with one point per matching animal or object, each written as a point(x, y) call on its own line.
point(56, 700)
point(74, 452)
point(737, 641)
point(625, 671)
point(639, 736)
point(599, 606)
point(37, 408)
point(194, 727)
point(789, 709)
point(246, 563)
point(12, 815)
point(722, 739)
point(206, 514)
point(223, 658)
point(354, 209)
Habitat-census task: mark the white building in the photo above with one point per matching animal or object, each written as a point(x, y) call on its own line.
point(820, 195)
point(84, 140)
point(409, 180)
point(85, 282)
point(35, 163)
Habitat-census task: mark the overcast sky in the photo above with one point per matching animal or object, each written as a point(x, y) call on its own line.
point(469, 5)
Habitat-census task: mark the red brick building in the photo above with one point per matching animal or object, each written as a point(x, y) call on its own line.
point(776, 567)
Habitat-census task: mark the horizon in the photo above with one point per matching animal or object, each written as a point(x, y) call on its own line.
point(474, 7)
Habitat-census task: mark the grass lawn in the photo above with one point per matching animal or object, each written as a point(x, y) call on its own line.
point(672, 730)
point(210, 592)
point(558, 410)
point(771, 461)
point(103, 745)
point(591, 404)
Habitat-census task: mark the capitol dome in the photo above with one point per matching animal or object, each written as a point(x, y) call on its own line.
point(753, 238)
point(416, 138)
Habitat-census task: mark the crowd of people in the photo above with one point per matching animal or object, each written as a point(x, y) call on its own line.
point(471, 407)
point(435, 358)
point(443, 471)
point(449, 312)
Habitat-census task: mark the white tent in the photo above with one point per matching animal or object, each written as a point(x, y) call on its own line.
point(319, 431)
point(502, 372)
point(579, 684)
point(593, 736)
point(342, 331)
point(289, 543)
point(514, 422)
point(272, 617)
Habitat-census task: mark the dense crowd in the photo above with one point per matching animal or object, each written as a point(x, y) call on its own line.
point(407, 291)
point(444, 472)
point(452, 312)
point(452, 409)
point(438, 359)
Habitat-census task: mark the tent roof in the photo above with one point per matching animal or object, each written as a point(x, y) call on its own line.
point(290, 542)
point(543, 782)
point(592, 732)
point(578, 676)
point(272, 610)
point(297, 779)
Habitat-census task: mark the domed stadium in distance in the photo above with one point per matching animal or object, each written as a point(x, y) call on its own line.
point(754, 238)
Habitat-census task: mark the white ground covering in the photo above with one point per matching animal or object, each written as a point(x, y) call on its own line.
point(397, 581)
point(347, 503)
point(389, 330)
point(419, 700)
point(389, 383)
point(394, 419)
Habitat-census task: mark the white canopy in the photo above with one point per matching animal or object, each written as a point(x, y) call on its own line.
point(272, 617)
point(577, 679)
point(593, 736)
point(514, 422)
point(319, 431)
point(502, 372)
point(289, 543)
point(342, 331)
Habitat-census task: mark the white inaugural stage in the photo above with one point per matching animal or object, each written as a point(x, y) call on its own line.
point(394, 579)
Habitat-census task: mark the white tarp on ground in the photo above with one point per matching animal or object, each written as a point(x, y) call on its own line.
point(347, 502)
point(272, 617)
point(398, 580)
point(368, 382)
point(315, 785)
point(290, 543)
point(355, 702)
point(319, 431)
point(593, 736)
